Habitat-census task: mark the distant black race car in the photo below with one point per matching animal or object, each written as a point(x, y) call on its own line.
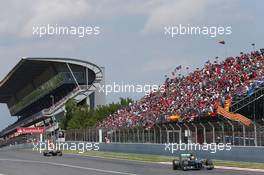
point(52, 153)
point(191, 162)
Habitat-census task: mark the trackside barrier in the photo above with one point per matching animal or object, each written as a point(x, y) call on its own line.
point(17, 146)
point(237, 153)
point(204, 132)
point(243, 154)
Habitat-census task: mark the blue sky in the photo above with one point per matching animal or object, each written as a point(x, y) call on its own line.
point(132, 45)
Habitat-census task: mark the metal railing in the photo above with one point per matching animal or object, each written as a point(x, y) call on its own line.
point(206, 132)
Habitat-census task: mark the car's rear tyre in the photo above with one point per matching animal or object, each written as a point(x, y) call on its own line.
point(199, 166)
point(46, 154)
point(175, 164)
point(59, 153)
point(184, 165)
point(209, 164)
point(184, 168)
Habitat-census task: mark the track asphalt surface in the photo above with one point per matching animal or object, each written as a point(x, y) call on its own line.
point(26, 162)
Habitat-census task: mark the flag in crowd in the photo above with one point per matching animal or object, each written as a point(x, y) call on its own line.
point(221, 42)
point(262, 51)
point(255, 85)
point(177, 68)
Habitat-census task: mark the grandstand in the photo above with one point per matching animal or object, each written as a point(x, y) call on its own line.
point(221, 100)
point(36, 90)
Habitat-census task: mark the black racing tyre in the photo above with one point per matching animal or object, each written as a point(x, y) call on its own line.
point(175, 164)
point(184, 168)
point(46, 153)
point(199, 166)
point(209, 164)
point(59, 153)
point(184, 165)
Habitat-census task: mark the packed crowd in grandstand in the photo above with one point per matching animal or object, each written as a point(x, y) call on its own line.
point(195, 95)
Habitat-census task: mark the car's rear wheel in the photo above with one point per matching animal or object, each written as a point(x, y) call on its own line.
point(175, 164)
point(45, 153)
point(59, 153)
point(209, 164)
point(199, 166)
point(184, 165)
point(184, 168)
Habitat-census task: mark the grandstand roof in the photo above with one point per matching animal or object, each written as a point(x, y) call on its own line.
point(27, 68)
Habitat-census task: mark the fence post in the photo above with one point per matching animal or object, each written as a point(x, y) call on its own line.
point(84, 134)
point(244, 135)
point(213, 131)
point(154, 135)
point(160, 134)
point(233, 132)
point(134, 137)
point(195, 128)
point(180, 134)
point(255, 134)
point(143, 136)
point(189, 132)
point(260, 139)
point(204, 132)
point(124, 135)
point(90, 135)
point(119, 135)
point(75, 135)
point(223, 131)
point(138, 137)
point(173, 136)
point(166, 134)
point(127, 135)
point(149, 135)
point(115, 135)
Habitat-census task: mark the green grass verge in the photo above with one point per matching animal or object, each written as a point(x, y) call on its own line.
point(158, 158)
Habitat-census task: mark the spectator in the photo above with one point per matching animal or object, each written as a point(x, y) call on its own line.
point(195, 96)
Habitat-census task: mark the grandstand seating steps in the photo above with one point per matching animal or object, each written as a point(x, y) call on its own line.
point(247, 100)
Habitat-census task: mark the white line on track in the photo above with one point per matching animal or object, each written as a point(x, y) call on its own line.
point(67, 165)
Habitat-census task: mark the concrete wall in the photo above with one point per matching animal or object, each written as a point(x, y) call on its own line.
point(247, 154)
